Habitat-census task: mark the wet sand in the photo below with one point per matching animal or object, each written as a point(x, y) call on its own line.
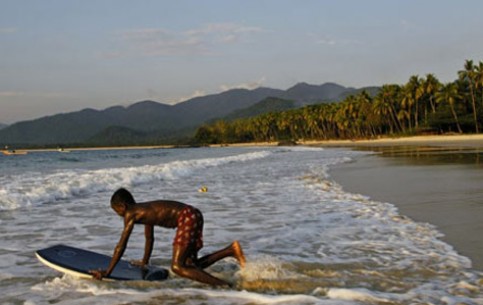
point(437, 183)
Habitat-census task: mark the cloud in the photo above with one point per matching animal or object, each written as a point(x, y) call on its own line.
point(204, 40)
point(197, 93)
point(111, 55)
point(11, 94)
point(330, 41)
point(8, 30)
point(249, 85)
point(408, 26)
point(157, 42)
point(325, 41)
point(223, 32)
point(47, 95)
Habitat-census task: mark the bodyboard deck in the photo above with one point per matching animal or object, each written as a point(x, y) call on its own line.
point(78, 262)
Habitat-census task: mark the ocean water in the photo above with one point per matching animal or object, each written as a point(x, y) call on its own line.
point(307, 241)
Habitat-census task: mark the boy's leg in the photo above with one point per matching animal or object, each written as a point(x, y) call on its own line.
point(181, 254)
point(233, 250)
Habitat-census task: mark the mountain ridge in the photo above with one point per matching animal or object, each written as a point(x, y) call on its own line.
point(306, 93)
point(155, 120)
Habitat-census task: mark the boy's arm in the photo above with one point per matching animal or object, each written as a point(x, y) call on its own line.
point(118, 251)
point(148, 247)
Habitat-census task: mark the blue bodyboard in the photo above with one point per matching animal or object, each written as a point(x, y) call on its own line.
point(78, 262)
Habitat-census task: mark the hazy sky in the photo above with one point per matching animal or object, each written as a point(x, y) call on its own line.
point(65, 55)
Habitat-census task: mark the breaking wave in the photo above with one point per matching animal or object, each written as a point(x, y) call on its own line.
point(34, 188)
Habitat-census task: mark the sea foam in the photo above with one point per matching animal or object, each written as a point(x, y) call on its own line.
point(35, 188)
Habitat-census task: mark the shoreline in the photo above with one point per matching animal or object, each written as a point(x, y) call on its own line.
point(430, 180)
point(433, 179)
point(474, 141)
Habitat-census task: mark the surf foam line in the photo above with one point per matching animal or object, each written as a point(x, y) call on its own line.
point(35, 188)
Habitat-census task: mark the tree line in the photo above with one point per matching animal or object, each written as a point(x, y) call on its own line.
point(422, 105)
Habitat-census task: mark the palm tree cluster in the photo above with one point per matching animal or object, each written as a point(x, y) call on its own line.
point(422, 105)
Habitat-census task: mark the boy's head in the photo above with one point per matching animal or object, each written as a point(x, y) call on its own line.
point(121, 200)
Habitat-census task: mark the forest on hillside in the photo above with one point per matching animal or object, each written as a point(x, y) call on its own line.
point(423, 105)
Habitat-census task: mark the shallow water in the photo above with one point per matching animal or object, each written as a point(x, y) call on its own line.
point(307, 241)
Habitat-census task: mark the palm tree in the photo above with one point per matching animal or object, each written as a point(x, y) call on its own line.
point(431, 86)
point(343, 117)
point(283, 124)
point(365, 116)
point(311, 122)
point(449, 94)
point(329, 113)
point(385, 106)
point(468, 75)
point(479, 79)
point(411, 95)
point(407, 104)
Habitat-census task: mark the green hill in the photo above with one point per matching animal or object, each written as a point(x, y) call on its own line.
point(270, 104)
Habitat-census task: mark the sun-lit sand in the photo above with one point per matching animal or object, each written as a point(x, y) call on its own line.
point(436, 140)
point(431, 140)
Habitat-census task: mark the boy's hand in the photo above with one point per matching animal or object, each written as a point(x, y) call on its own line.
point(137, 263)
point(98, 274)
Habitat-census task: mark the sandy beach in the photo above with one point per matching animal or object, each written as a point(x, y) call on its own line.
point(465, 141)
point(435, 179)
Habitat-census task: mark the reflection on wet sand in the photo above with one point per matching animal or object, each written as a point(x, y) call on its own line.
point(438, 185)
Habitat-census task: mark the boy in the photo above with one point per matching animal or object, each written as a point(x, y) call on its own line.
point(187, 242)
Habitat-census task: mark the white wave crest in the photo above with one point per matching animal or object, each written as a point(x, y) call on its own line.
point(35, 188)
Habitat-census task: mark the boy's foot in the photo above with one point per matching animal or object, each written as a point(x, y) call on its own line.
point(239, 253)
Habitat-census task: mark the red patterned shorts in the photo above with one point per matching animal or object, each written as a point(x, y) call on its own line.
point(190, 228)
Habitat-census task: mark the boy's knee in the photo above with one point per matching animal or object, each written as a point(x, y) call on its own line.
point(177, 268)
